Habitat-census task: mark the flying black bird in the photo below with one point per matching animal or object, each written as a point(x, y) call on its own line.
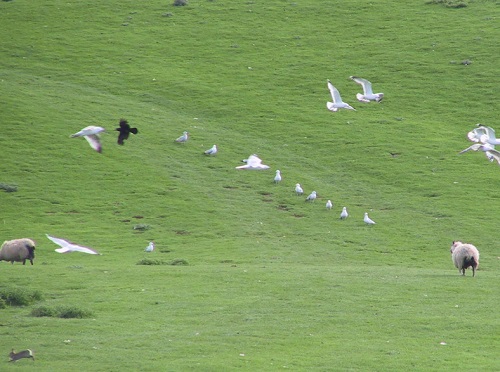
point(125, 130)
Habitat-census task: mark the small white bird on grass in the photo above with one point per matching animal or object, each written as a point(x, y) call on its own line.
point(67, 247)
point(368, 94)
point(150, 247)
point(298, 189)
point(253, 163)
point(311, 197)
point(183, 138)
point(489, 151)
point(329, 205)
point(91, 134)
point(277, 178)
point(337, 101)
point(368, 220)
point(344, 214)
point(211, 151)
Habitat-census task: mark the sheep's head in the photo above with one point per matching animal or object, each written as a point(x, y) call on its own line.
point(30, 246)
point(454, 245)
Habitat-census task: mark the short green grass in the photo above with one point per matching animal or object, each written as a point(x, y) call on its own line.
point(246, 275)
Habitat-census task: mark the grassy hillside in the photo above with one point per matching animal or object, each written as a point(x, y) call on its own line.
point(271, 282)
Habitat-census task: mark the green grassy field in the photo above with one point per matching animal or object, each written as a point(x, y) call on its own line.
point(271, 282)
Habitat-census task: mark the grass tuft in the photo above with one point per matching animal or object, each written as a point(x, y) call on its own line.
point(152, 261)
point(449, 3)
point(8, 188)
point(142, 227)
point(20, 296)
point(65, 312)
point(178, 262)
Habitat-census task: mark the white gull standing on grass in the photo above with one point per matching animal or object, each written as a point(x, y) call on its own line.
point(368, 94)
point(368, 220)
point(489, 151)
point(211, 151)
point(344, 214)
point(253, 163)
point(337, 101)
point(483, 134)
point(150, 247)
point(311, 197)
point(329, 205)
point(277, 178)
point(91, 134)
point(298, 189)
point(183, 138)
point(67, 247)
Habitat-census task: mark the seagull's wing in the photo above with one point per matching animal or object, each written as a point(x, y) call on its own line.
point(476, 134)
point(334, 93)
point(70, 247)
point(87, 131)
point(182, 138)
point(367, 86)
point(474, 147)
point(253, 161)
point(94, 142)
point(490, 135)
point(60, 242)
point(493, 155)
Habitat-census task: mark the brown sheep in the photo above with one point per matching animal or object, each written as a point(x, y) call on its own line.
point(464, 256)
point(18, 250)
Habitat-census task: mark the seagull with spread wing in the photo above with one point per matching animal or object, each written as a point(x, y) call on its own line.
point(337, 101)
point(368, 94)
point(67, 247)
point(488, 149)
point(253, 163)
point(91, 134)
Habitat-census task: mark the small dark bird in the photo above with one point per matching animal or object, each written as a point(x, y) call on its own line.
point(125, 130)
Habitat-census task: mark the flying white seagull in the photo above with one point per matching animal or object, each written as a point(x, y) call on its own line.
point(483, 134)
point(277, 178)
point(337, 101)
point(344, 214)
point(311, 197)
point(298, 189)
point(368, 220)
point(91, 134)
point(150, 247)
point(67, 247)
point(489, 151)
point(253, 163)
point(211, 151)
point(368, 94)
point(183, 138)
point(329, 205)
